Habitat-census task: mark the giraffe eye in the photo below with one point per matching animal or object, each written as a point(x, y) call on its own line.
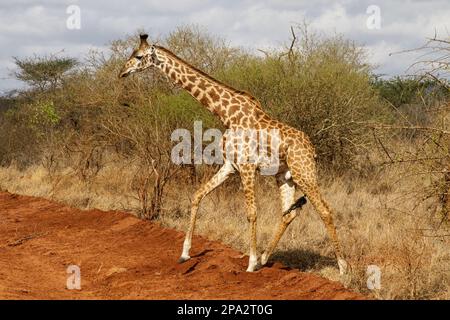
point(139, 57)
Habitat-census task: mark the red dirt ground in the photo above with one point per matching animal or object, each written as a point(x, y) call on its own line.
point(122, 257)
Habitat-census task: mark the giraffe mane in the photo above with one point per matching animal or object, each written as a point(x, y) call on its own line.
point(207, 76)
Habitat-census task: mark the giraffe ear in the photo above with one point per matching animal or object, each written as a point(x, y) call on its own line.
point(144, 37)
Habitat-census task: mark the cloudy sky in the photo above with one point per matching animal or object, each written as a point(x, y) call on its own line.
point(40, 27)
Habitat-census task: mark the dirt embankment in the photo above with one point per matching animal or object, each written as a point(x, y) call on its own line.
point(122, 257)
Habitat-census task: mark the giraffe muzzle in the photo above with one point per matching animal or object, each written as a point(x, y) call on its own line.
point(124, 74)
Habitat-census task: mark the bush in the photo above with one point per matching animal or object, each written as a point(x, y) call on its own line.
point(322, 87)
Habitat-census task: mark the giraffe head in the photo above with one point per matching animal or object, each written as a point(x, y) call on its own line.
point(142, 58)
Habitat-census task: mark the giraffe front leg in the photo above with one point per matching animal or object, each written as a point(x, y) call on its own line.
point(188, 239)
point(248, 182)
point(253, 259)
point(215, 181)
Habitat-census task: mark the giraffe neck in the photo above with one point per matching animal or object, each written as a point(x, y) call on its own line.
point(218, 98)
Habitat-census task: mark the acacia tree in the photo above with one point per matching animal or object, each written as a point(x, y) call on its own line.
point(43, 72)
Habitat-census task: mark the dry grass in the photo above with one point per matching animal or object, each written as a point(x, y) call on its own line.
point(376, 221)
point(110, 190)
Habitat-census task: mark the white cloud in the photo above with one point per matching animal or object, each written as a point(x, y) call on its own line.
point(334, 19)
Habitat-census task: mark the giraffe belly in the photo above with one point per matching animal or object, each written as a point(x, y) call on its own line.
point(265, 152)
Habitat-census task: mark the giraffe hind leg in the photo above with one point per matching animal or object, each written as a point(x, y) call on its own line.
point(327, 217)
point(288, 206)
point(306, 180)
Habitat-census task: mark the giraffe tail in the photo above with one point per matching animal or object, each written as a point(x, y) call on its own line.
point(297, 204)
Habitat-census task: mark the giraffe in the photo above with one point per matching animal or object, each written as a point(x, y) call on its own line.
point(239, 110)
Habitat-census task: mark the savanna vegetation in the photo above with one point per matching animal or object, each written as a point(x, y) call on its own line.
point(80, 135)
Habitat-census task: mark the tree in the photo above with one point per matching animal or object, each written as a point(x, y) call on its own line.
point(43, 73)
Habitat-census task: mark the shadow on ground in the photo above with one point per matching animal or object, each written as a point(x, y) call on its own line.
point(302, 260)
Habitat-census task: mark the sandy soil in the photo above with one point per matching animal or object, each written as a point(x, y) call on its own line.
point(122, 257)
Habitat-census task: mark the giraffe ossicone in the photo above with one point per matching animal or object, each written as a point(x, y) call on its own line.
point(238, 110)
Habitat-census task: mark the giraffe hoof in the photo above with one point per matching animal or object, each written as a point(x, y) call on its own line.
point(343, 266)
point(253, 264)
point(250, 269)
point(257, 267)
point(264, 259)
point(183, 259)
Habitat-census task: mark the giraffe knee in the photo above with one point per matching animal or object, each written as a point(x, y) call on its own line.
point(289, 217)
point(327, 216)
point(251, 217)
point(194, 205)
point(196, 200)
